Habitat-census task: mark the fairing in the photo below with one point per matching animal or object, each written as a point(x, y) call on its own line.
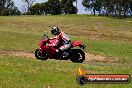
point(77, 43)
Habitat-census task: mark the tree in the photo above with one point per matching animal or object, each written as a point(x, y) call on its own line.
point(53, 7)
point(94, 5)
point(35, 9)
point(6, 4)
point(67, 7)
point(7, 7)
point(130, 6)
point(29, 3)
point(76, 2)
point(116, 8)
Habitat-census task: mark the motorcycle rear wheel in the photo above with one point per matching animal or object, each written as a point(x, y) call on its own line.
point(77, 56)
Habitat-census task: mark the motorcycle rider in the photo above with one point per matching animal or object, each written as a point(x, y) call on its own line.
point(61, 37)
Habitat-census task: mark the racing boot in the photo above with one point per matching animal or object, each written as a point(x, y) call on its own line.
point(62, 53)
point(65, 54)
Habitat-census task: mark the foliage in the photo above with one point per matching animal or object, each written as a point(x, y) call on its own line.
point(29, 3)
point(67, 7)
point(7, 8)
point(117, 8)
point(53, 7)
point(94, 5)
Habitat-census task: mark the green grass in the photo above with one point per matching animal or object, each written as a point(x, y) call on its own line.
point(123, 51)
point(28, 42)
point(18, 41)
point(18, 72)
point(104, 36)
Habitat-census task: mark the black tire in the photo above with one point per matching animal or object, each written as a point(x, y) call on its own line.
point(77, 56)
point(81, 80)
point(40, 56)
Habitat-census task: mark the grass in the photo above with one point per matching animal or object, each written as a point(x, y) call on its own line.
point(18, 41)
point(12, 41)
point(18, 72)
point(102, 35)
point(123, 51)
point(106, 36)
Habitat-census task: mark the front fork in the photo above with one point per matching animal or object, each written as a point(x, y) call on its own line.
point(40, 50)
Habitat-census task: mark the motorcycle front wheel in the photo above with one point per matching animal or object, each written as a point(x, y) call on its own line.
point(40, 55)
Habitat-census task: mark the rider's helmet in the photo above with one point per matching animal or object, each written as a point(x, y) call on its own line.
point(55, 31)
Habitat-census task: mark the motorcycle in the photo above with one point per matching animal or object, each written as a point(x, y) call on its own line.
point(45, 52)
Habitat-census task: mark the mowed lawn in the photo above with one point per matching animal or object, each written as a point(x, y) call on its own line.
point(102, 36)
point(20, 72)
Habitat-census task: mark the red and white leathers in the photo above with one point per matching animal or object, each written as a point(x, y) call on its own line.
point(62, 38)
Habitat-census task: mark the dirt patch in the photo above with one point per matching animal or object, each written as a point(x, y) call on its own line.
point(22, 54)
point(89, 57)
point(17, 53)
point(100, 58)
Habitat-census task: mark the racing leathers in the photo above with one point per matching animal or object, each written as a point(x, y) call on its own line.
point(63, 39)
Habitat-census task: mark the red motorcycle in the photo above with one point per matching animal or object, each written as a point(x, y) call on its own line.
point(44, 52)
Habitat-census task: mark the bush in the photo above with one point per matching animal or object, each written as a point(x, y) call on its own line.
point(9, 12)
point(5, 12)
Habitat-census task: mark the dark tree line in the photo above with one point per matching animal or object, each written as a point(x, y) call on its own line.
point(53, 7)
point(7, 8)
point(117, 8)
